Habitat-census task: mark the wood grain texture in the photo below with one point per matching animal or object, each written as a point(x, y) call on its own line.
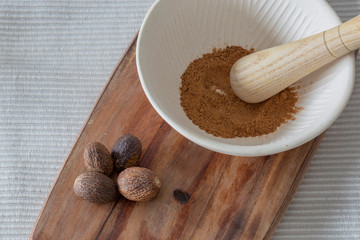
point(350, 33)
point(204, 195)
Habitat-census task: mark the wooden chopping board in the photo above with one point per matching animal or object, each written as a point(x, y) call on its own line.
point(204, 195)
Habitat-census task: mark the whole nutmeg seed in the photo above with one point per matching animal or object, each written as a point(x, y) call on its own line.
point(126, 152)
point(96, 187)
point(138, 184)
point(98, 158)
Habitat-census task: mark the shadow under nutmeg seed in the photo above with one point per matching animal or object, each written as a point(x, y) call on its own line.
point(126, 152)
point(98, 158)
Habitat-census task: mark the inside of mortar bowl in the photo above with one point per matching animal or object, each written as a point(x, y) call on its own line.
point(174, 33)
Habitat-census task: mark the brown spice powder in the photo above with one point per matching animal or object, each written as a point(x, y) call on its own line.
point(208, 100)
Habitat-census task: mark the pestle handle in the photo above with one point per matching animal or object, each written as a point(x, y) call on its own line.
point(258, 76)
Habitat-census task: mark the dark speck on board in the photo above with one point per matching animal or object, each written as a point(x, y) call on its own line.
point(182, 197)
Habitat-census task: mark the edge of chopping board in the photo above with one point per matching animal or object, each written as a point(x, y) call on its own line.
point(294, 187)
point(122, 58)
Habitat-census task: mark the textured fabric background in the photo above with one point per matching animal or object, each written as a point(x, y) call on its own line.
point(55, 57)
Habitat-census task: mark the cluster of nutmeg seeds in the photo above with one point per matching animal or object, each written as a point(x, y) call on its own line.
point(134, 183)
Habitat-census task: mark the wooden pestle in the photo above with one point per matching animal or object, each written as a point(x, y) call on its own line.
point(258, 76)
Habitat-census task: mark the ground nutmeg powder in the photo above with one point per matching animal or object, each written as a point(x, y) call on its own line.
point(208, 100)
